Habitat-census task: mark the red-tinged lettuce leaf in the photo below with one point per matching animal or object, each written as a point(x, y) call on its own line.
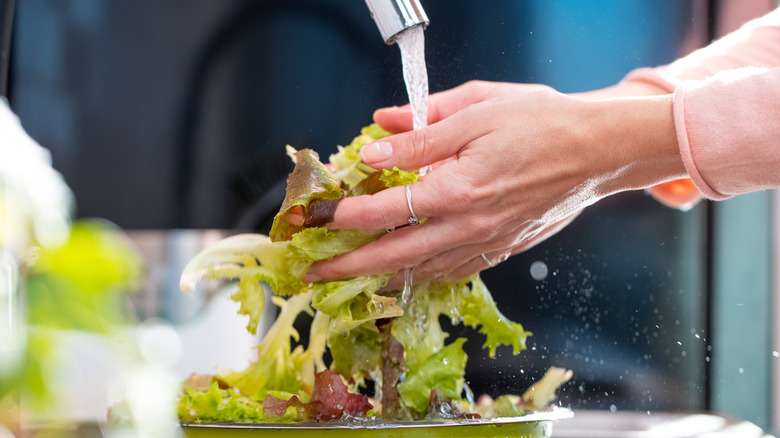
point(310, 181)
point(369, 185)
point(319, 212)
point(330, 399)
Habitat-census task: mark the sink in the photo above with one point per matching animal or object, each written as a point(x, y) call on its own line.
point(607, 424)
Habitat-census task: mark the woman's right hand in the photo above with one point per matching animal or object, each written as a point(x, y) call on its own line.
point(511, 163)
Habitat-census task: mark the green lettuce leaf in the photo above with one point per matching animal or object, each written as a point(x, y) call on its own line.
point(419, 329)
point(278, 367)
point(477, 308)
point(442, 371)
point(542, 392)
point(319, 243)
point(506, 406)
point(350, 169)
point(353, 302)
point(252, 259)
point(356, 353)
point(219, 405)
point(397, 177)
point(383, 179)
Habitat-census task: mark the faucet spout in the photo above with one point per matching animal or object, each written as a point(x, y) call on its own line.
point(394, 16)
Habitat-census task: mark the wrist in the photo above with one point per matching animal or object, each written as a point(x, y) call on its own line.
point(638, 141)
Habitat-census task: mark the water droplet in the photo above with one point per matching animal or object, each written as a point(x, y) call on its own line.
point(407, 296)
point(539, 270)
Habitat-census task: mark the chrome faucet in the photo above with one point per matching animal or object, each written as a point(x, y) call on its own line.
point(394, 16)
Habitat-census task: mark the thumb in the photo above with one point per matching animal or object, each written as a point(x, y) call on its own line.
point(423, 147)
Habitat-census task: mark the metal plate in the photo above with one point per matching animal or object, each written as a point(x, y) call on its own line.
point(529, 426)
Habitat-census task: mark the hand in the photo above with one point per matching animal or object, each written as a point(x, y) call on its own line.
point(512, 165)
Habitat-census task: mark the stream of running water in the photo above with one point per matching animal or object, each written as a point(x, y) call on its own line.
point(411, 42)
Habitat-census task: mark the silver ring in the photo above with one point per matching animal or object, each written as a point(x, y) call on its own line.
point(412, 219)
point(487, 260)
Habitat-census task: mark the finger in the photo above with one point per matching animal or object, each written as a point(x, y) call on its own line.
point(430, 197)
point(295, 215)
point(446, 263)
point(440, 106)
point(396, 119)
point(468, 269)
point(402, 248)
point(422, 147)
point(481, 263)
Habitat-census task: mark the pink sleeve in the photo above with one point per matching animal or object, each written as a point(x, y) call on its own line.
point(757, 44)
point(728, 129)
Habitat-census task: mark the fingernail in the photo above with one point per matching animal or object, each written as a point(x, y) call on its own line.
point(311, 278)
point(376, 152)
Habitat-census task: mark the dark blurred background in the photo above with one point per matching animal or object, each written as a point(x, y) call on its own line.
point(172, 114)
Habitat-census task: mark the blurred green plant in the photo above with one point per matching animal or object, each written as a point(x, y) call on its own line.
point(54, 276)
point(80, 285)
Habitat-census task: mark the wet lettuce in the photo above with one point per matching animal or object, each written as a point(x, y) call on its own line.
point(279, 367)
point(309, 184)
point(535, 398)
point(442, 371)
point(349, 168)
point(367, 333)
point(219, 405)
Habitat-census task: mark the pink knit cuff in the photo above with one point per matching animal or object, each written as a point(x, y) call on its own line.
point(684, 142)
point(655, 76)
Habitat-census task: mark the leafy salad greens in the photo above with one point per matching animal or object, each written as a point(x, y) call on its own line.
point(369, 333)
